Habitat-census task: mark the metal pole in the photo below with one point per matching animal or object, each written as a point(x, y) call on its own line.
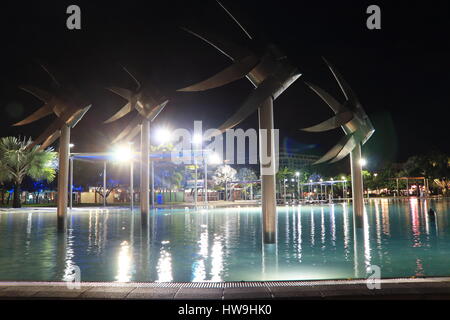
point(145, 168)
point(131, 185)
point(298, 189)
point(152, 164)
point(195, 190)
point(398, 191)
point(104, 184)
point(205, 187)
point(357, 186)
point(343, 190)
point(63, 178)
point(268, 170)
point(284, 192)
point(71, 184)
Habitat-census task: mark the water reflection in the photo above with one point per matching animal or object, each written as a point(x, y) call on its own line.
point(225, 244)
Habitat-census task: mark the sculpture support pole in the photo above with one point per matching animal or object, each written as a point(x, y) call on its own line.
point(145, 170)
point(205, 186)
point(104, 184)
point(152, 164)
point(268, 170)
point(357, 186)
point(131, 185)
point(63, 177)
point(71, 184)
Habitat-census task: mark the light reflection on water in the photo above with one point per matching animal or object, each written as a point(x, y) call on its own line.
point(314, 242)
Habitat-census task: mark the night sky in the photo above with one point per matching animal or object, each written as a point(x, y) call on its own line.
point(401, 73)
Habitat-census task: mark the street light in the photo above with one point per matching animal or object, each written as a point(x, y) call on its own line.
point(321, 190)
point(297, 174)
point(197, 140)
point(162, 135)
point(344, 190)
point(122, 154)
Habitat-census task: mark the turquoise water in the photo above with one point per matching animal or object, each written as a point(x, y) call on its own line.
point(314, 242)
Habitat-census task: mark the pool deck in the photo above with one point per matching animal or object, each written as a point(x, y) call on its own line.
point(410, 289)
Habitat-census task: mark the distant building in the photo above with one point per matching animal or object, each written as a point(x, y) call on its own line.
point(294, 160)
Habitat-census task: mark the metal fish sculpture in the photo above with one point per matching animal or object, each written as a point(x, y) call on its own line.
point(350, 115)
point(146, 99)
point(268, 70)
point(65, 103)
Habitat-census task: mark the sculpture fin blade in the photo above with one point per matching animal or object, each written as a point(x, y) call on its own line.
point(228, 49)
point(119, 114)
point(38, 93)
point(335, 122)
point(124, 93)
point(345, 88)
point(135, 122)
point(349, 146)
point(236, 71)
point(134, 132)
point(138, 84)
point(156, 111)
point(55, 126)
point(327, 98)
point(38, 114)
point(264, 91)
point(333, 152)
point(78, 116)
point(235, 20)
point(52, 138)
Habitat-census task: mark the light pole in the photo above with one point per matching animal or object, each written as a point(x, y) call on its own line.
point(344, 190)
point(297, 174)
point(321, 191)
point(71, 145)
point(284, 192)
point(197, 140)
point(332, 193)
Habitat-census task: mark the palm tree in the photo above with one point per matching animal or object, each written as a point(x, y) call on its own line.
point(18, 159)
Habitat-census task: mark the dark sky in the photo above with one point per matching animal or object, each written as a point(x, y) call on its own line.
point(400, 73)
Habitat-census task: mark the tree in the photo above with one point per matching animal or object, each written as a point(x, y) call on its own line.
point(223, 175)
point(245, 175)
point(17, 161)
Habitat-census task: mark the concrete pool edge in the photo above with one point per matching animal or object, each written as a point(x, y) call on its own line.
point(400, 288)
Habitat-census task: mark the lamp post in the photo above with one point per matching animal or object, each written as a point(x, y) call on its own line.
point(197, 140)
point(284, 190)
point(71, 145)
point(332, 192)
point(297, 174)
point(321, 191)
point(344, 190)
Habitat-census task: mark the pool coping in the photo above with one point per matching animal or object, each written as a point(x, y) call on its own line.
point(398, 288)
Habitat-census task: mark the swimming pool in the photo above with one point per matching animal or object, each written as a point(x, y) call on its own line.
point(314, 242)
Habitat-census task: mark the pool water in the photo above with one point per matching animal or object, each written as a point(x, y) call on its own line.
point(314, 242)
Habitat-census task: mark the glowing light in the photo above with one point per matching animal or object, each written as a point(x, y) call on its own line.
point(162, 135)
point(362, 162)
point(214, 158)
point(71, 145)
point(297, 174)
point(123, 154)
point(197, 139)
point(124, 263)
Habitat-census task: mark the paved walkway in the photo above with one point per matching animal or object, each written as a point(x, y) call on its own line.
point(430, 288)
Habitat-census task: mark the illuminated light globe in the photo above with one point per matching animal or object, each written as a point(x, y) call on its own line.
point(123, 154)
point(163, 135)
